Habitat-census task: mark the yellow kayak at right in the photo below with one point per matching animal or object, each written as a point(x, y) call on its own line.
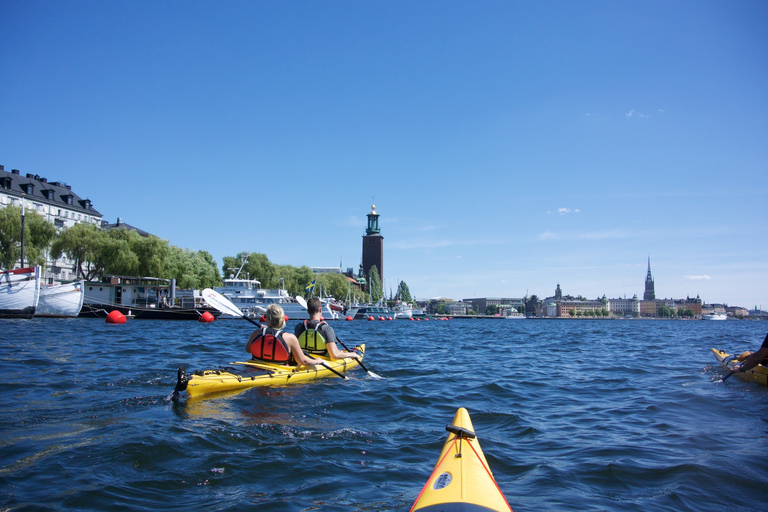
point(461, 480)
point(757, 373)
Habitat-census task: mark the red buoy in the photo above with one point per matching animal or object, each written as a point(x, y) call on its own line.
point(206, 318)
point(263, 318)
point(349, 319)
point(381, 318)
point(371, 318)
point(116, 317)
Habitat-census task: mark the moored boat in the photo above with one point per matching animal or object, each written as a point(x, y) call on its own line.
point(143, 298)
point(714, 316)
point(254, 373)
point(461, 480)
point(61, 300)
point(19, 292)
point(757, 373)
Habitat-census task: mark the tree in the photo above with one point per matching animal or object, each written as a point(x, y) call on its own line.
point(374, 285)
point(492, 309)
point(333, 285)
point(403, 293)
point(81, 243)
point(38, 236)
point(191, 269)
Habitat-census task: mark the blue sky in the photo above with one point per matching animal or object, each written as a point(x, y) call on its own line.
point(510, 146)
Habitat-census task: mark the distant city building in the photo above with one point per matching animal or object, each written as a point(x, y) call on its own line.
point(624, 306)
point(480, 305)
point(55, 202)
point(649, 294)
point(373, 246)
point(570, 308)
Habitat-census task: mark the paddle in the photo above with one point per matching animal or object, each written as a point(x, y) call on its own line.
point(224, 305)
point(729, 374)
point(303, 303)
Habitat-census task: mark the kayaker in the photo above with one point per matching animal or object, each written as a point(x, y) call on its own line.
point(316, 336)
point(287, 351)
point(752, 359)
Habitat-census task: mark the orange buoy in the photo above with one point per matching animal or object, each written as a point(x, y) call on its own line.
point(206, 318)
point(411, 319)
point(116, 317)
point(349, 319)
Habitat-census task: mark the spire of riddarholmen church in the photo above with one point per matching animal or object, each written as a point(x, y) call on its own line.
point(649, 294)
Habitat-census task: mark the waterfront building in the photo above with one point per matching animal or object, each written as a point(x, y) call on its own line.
point(373, 246)
point(53, 200)
point(480, 305)
point(571, 308)
point(624, 306)
point(650, 293)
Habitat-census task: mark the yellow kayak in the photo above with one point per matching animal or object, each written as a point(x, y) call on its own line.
point(461, 480)
point(247, 374)
point(758, 373)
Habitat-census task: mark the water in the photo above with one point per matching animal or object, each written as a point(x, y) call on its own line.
point(572, 415)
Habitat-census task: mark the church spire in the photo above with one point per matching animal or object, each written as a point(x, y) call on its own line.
point(650, 293)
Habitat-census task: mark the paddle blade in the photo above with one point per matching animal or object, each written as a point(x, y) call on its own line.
point(301, 301)
point(220, 302)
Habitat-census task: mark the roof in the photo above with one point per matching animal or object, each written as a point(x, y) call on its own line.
point(39, 189)
point(122, 225)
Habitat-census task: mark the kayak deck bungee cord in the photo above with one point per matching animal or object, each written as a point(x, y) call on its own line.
point(461, 480)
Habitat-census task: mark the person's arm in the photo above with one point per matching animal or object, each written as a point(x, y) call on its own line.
point(335, 353)
point(755, 359)
point(298, 354)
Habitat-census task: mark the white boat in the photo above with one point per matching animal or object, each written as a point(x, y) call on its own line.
point(363, 311)
point(61, 300)
point(253, 300)
point(715, 316)
point(19, 292)
point(403, 311)
point(514, 315)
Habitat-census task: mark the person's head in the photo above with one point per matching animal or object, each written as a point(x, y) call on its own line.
point(275, 317)
point(314, 306)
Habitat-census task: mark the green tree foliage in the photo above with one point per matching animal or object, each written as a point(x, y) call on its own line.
point(116, 251)
point(191, 269)
point(403, 293)
point(38, 236)
point(82, 244)
point(333, 285)
point(256, 266)
point(374, 285)
point(492, 309)
point(295, 279)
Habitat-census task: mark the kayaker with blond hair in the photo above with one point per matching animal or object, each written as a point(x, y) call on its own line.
point(272, 343)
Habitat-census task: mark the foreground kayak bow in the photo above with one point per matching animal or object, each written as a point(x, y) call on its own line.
point(461, 480)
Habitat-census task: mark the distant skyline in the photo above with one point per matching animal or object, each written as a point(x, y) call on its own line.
point(510, 146)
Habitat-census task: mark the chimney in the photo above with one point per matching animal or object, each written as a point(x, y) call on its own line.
point(15, 171)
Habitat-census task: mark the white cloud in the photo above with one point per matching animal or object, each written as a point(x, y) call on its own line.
point(564, 211)
point(698, 278)
point(629, 114)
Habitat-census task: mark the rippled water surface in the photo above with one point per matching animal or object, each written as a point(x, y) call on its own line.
point(611, 415)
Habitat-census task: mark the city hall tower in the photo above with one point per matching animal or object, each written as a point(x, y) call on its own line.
point(373, 246)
